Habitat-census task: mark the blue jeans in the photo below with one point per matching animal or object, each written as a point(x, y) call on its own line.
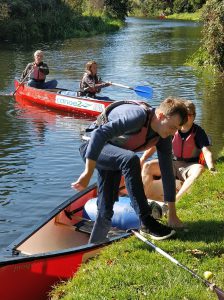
point(112, 163)
point(43, 85)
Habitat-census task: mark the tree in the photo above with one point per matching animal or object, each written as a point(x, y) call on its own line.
point(213, 32)
point(117, 8)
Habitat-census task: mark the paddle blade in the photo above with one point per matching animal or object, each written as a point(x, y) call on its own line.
point(144, 91)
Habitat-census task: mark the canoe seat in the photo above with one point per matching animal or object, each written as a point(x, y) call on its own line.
point(86, 226)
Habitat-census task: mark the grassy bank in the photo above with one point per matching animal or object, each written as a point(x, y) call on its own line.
point(78, 26)
point(132, 270)
point(196, 16)
point(52, 20)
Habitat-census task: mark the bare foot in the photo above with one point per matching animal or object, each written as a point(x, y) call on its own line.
point(175, 222)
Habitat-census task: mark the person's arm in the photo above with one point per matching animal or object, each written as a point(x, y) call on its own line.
point(85, 177)
point(203, 142)
point(102, 84)
point(26, 71)
point(164, 150)
point(44, 68)
point(123, 121)
point(94, 85)
point(147, 153)
point(209, 159)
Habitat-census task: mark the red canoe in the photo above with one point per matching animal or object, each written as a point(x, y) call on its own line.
point(53, 99)
point(50, 252)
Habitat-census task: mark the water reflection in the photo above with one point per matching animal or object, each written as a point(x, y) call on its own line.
point(39, 158)
point(39, 154)
point(212, 110)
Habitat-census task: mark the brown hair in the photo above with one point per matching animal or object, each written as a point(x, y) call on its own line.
point(191, 109)
point(172, 106)
point(89, 65)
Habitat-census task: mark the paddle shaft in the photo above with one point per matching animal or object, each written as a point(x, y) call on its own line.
point(172, 259)
point(24, 79)
point(123, 86)
point(142, 91)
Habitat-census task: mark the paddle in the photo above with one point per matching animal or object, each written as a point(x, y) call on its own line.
point(24, 79)
point(142, 91)
point(211, 286)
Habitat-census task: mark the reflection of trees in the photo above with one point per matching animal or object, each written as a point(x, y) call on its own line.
point(6, 66)
point(13, 151)
point(40, 128)
point(171, 44)
point(212, 113)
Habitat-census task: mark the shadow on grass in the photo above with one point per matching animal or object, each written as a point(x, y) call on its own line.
point(206, 231)
point(220, 159)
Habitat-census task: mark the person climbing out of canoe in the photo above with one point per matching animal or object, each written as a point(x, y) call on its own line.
point(126, 127)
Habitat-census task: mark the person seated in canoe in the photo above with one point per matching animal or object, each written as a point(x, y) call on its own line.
point(90, 83)
point(190, 153)
point(36, 73)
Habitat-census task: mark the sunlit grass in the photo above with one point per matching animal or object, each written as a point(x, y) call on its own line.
point(130, 269)
point(186, 16)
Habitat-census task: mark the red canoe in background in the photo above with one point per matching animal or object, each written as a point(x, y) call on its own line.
point(54, 99)
point(51, 251)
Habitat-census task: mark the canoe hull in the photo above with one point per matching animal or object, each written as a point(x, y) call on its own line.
point(52, 99)
point(50, 252)
point(32, 279)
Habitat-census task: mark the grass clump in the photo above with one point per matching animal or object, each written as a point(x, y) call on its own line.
point(129, 269)
point(195, 16)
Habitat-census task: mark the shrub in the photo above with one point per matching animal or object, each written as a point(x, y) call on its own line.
point(213, 32)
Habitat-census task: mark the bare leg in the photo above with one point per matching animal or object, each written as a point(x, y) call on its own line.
point(194, 172)
point(149, 171)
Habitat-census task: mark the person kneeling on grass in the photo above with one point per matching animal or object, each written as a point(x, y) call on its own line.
point(190, 146)
point(124, 128)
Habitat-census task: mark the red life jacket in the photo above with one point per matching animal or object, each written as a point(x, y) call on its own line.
point(134, 141)
point(37, 75)
point(185, 149)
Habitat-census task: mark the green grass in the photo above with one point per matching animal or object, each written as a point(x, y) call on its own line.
point(131, 270)
point(196, 16)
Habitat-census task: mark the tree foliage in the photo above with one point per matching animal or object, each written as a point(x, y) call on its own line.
point(52, 19)
point(213, 32)
point(155, 7)
point(4, 11)
point(117, 8)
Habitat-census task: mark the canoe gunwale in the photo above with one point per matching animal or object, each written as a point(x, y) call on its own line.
point(11, 256)
point(24, 91)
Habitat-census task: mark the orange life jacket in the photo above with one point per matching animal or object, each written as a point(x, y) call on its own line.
point(186, 150)
point(37, 75)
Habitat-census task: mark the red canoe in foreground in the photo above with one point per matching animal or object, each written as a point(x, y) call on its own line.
point(53, 99)
point(50, 252)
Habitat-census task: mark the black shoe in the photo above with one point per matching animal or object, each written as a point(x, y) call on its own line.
point(155, 230)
